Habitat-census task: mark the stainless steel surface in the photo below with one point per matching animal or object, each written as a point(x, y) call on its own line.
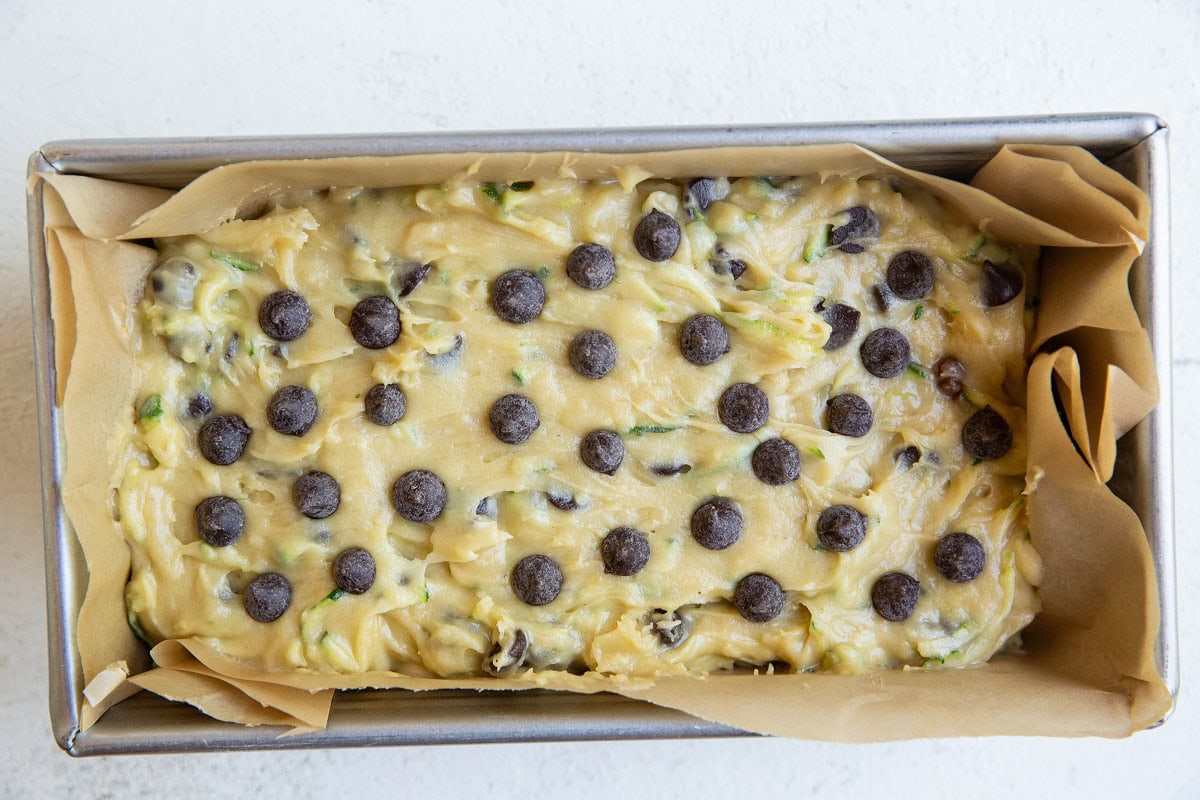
point(1135, 144)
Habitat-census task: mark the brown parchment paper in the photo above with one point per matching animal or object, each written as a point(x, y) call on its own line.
point(1087, 666)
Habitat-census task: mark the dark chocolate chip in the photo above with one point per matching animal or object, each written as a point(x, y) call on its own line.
point(759, 598)
point(220, 520)
point(487, 507)
point(419, 496)
point(174, 283)
point(408, 276)
point(267, 597)
point(514, 418)
point(987, 435)
point(223, 438)
point(447, 358)
point(591, 266)
point(703, 339)
point(593, 354)
point(841, 528)
point(602, 451)
point(884, 299)
point(849, 415)
point(284, 316)
point(385, 404)
point(671, 628)
point(743, 408)
point(949, 374)
point(863, 224)
point(354, 570)
point(906, 457)
point(960, 557)
point(292, 410)
point(536, 580)
point(776, 462)
point(910, 275)
point(885, 352)
point(843, 322)
point(518, 296)
point(316, 494)
point(375, 322)
point(656, 237)
point(723, 264)
point(563, 501)
point(500, 661)
point(199, 406)
point(703, 192)
point(1001, 283)
point(895, 596)
point(625, 551)
point(667, 470)
point(853, 248)
point(717, 524)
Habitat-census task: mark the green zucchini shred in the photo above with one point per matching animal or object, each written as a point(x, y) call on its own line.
point(240, 264)
point(152, 408)
point(638, 430)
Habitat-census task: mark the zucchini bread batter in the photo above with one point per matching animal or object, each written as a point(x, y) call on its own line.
point(631, 427)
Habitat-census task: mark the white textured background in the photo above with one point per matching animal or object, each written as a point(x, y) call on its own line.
point(319, 67)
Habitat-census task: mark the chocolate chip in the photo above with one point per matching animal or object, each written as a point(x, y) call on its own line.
point(292, 410)
point(987, 435)
point(759, 598)
point(447, 358)
point(563, 501)
point(231, 347)
point(593, 354)
point(375, 322)
point(501, 661)
point(223, 438)
point(841, 528)
point(602, 451)
point(385, 404)
point(717, 524)
point(199, 406)
point(284, 316)
point(849, 415)
point(949, 374)
point(354, 570)
point(591, 266)
point(316, 494)
point(910, 275)
point(776, 462)
point(743, 408)
point(267, 597)
point(536, 580)
point(885, 352)
point(1001, 283)
point(518, 296)
point(671, 628)
point(624, 551)
point(419, 496)
point(843, 322)
point(884, 299)
point(906, 457)
point(408, 275)
point(960, 557)
point(514, 418)
point(863, 224)
point(703, 339)
point(174, 283)
point(667, 470)
point(703, 192)
point(220, 521)
point(487, 507)
point(656, 237)
point(723, 263)
point(853, 248)
point(895, 596)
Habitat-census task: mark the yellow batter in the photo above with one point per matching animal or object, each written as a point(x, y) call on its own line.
point(442, 601)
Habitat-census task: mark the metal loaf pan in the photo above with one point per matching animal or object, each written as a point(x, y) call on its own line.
point(1134, 144)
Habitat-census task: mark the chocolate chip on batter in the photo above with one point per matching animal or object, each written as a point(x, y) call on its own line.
point(885, 352)
point(591, 266)
point(375, 322)
point(671, 628)
point(496, 664)
point(656, 237)
point(407, 276)
point(863, 224)
point(593, 354)
point(199, 405)
point(703, 192)
point(759, 598)
point(536, 580)
point(1001, 283)
point(514, 418)
point(447, 359)
point(284, 316)
point(385, 404)
point(895, 596)
point(841, 528)
point(849, 415)
point(703, 339)
point(267, 597)
point(723, 263)
point(354, 570)
point(667, 470)
point(625, 551)
point(853, 248)
point(292, 410)
point(960, 557)
point(602, 451)
point(220, 520)
point(906, 457)
point(717, 524)
point(174, 282)
point(518, 296)
point(843, 322)
point(419, 496)
point(743, 408)
point(910, 275)
point(223, 438)
point(487, 507)
point(987, 435)
point(316, 494)
point(776, 462)
point(949, 374)
point(563, 501)
point(884, 299)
